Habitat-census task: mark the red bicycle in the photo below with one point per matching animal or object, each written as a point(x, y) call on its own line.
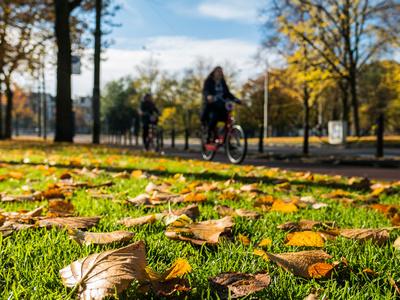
point(233, 138)
point(152, 140)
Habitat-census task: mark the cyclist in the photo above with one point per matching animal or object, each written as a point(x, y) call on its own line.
point(146, 109)
point(213, 110)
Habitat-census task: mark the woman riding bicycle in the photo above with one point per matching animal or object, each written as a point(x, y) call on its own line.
point(213, 110)
point(146, 110)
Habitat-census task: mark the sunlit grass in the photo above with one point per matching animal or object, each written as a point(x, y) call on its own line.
point(30, 259)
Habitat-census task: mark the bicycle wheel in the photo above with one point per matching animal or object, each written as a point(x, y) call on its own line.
point(236, 144)
point(206, 153)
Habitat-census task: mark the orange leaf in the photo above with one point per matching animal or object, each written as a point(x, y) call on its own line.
point(279, 205)
point(321, 270)
point(245, 240)
point(265, 242)
point(195, 197)
point(305, 238)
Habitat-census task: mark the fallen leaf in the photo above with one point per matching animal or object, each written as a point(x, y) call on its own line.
point(239, 284)
point(131, 222)
point(142, 199)
point(104, 274)
point(298, 262)
point(87, 238)
point(396, 244)
point(244, 239)
point(265, 242)
point(321, 270)
point(178, 268)
point(376, 235)
point(61, 207)
point(225, 210)
point(311, 297)
point(395, 220)
point(71, 222)
point(305, 238)
point(289, 226)
point(195, 197)
point(207, 231)
point(281, 206)
point(229, 196)
point(248, 213)
point(192, 211)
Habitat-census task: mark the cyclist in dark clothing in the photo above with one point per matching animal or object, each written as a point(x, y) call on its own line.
point(213, 110)
point(146, 110)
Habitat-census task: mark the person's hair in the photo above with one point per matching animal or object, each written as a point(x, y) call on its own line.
point(213, 72)
point(147, 95)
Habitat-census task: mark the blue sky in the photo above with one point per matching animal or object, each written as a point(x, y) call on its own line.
point(177, 33)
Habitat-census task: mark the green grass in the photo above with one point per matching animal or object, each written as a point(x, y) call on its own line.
point(30, 259)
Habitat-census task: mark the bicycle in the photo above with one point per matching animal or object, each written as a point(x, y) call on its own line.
point(153, 139)
point(233, 138)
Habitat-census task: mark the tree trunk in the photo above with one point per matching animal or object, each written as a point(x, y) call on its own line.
point(96, 86)
point(354, 105)
point(9, 96)
point(63, 98)
point(306, 126)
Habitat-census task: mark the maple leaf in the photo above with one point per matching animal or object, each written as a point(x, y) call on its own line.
point(102, 274)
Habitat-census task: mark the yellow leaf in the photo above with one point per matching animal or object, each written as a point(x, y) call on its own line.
point(195, 197)
point(279, 205)
point(265, 242)
point(137, 173)
point(185, 191)
point(261, 253)
point(305, 238)
point(245, 240)
point(178, 268)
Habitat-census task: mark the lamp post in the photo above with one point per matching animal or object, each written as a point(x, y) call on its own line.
point(266, 84)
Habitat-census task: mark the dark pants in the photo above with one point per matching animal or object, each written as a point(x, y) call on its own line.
point(216, 113)
point(145, 133)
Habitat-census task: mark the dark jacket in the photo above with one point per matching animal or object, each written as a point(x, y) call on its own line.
point(209, 89)
point(148, 108)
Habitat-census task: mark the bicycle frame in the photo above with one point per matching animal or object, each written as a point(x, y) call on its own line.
point(220, 139)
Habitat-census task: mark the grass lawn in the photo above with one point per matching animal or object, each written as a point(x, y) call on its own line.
point(30, 258)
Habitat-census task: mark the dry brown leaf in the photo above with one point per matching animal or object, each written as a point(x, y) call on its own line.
point(130, 222)
point(177, 237)
point(71, 222)
point(308, 224)
point(248, 213)
point(250, 188)
point(104, 274)
point(376, 235)
point(87, 238)
point(18, 198)
point(396, 285)
point(122, 175)
point(142, 199)
point(164, 197)
point(61, 207)
point(289, 226)
point(207, 231)
point(396, 244)
point(328, 234)
point(53, 194)
point(170, 286)
point(311, 297)
point(305, 238)
point(299, 262)
point(239, 284)
point(225, 210)
point(7, 229)
point(192, 211)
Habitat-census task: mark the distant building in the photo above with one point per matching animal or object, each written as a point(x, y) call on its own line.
point(82, 107)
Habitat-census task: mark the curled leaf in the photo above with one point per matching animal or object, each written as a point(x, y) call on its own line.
point(87, 238)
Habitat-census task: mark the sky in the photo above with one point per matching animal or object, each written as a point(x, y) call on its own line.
point(177, 33)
